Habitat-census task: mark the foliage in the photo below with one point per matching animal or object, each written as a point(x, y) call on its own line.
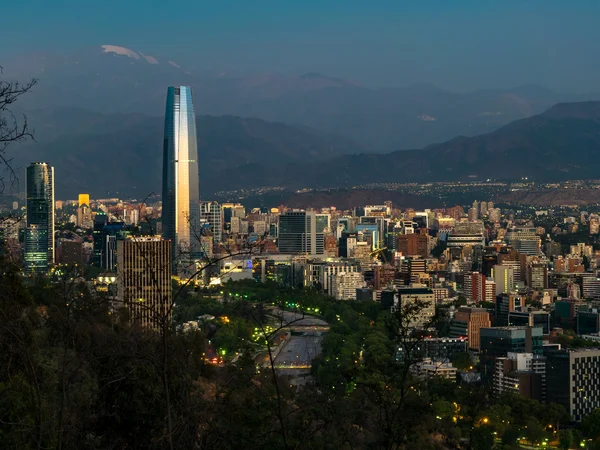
point(565, 439)
point(76, 378)
point(590, 425)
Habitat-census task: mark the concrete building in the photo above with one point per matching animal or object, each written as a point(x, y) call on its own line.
point(319, 273)
point(343, 285)
point(415, 244)
point(504, 277)
point(438, 349)
point(591, 288)
point(521, 373)
point(497, 342)
point(212, 214)
point(477, 288)
point(524, 240)
point(428, 368)
point(468, 322)
point(466, 234)
point(69, 251)
point(417, 316)
point(144, 280)
point(537, 276)
point(505, 303)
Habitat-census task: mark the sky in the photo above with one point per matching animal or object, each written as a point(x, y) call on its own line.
point(455, 44)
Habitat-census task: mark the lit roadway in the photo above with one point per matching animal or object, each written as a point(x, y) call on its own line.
point(299, 351)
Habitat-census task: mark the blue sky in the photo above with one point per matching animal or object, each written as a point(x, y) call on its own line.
point(456, 44)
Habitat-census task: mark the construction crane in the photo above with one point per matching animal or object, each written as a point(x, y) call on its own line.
point(379, 251)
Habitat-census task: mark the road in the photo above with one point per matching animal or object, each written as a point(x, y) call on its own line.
point(299, 351)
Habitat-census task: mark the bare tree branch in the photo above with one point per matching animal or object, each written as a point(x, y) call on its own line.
point(11, 128)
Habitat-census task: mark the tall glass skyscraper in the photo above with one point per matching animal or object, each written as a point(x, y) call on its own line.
point(180, 196)
point(39, 234)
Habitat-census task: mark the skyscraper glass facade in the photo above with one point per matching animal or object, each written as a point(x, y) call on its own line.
point(39, 235)
point(300, 233)
point(180, 196)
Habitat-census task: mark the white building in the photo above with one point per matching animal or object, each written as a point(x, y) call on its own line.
point(504, 277)
point(521, 373)
point(320, 272)
point(421, 316)
point(343, 285)
point(212, 213)
point(429, 368)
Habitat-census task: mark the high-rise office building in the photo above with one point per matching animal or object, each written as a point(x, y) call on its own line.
point(39, 234)
point(479, 289)
point(505, 303)
point(413, 244)
point(537, 275)
point(572, 380)
point(468, 322)
point(497, 342)
point(530, 318)
point(111, 233)
point(144, 274)
point(180, 195)
point(302, 232)
point(504, 276)
point(212, 213)
point(100, 220)
point(524, 240)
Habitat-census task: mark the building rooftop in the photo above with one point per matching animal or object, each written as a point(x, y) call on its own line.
point(402, 291)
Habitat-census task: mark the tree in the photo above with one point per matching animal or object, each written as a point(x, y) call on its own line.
point(462, 360)
point(11, 128)
point(511, 435)
point(534, 432)
point(565, 439)
point(482, 438)
point(590, 425)
point(439, 248)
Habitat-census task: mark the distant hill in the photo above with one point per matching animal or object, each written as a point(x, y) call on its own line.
point(112, 79)
point(350, 198)
point(561, 143)
point(552, 197)
point(122, 153)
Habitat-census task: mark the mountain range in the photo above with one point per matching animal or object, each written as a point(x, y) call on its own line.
point(112, 79)
point(97, 117)
point(104, 154)
point(560, 144)
point(109, 154)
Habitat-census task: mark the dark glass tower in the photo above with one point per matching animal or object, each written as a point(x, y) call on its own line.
point(180, 196)
point(39, 234)
point(301, 233)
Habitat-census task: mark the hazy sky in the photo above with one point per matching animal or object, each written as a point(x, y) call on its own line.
point(457, 44)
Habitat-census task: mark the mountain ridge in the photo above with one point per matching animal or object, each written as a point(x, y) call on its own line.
point(548, 146)
point(379, 119)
